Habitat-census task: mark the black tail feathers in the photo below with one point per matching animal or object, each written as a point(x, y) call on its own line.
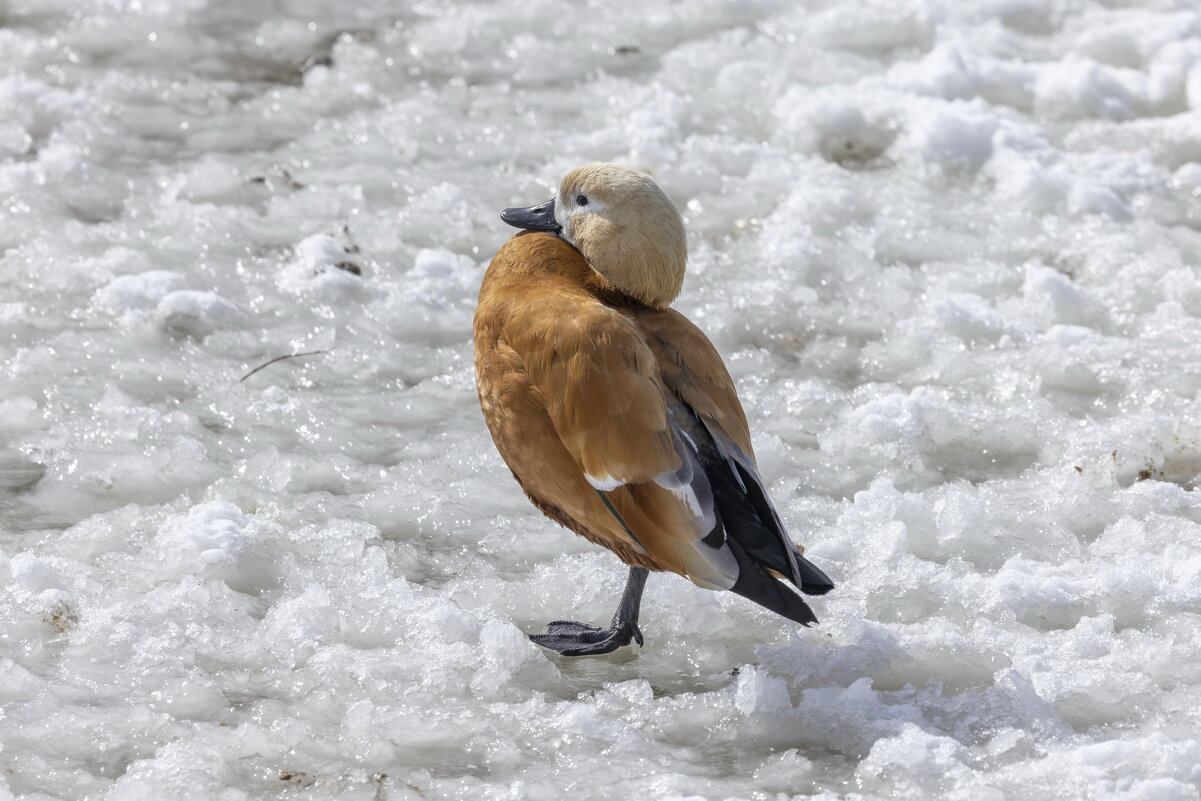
point(813, 580)
point(756, 584)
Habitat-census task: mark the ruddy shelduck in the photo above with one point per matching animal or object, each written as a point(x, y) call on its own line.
point(615, 413)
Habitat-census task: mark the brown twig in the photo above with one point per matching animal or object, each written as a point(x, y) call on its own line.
point(280, 359)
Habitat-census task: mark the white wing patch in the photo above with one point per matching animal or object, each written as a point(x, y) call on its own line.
point(709, 564)
point(686, 493)
point(606, 484)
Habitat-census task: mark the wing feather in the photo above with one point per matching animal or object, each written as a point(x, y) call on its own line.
point(698, 377)
point(598, 382)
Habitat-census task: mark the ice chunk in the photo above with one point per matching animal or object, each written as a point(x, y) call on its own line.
point(196, 313)
point(137, 292)
point(948, 251)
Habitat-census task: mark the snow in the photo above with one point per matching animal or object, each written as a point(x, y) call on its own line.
point(951, 254)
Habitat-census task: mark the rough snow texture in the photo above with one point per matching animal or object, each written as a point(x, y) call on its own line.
point(949, 250)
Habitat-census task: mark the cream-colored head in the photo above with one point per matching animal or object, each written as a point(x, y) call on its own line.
point(627, 229)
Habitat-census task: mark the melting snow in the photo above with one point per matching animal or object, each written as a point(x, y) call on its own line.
point(950, 251)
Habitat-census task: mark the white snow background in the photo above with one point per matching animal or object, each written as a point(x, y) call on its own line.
point(949, 250)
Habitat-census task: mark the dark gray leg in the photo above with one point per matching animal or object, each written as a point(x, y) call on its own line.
point(579, 639)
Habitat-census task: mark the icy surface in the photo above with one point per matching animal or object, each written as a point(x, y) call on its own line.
point(950, 251)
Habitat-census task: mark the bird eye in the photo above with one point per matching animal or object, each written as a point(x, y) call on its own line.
point(580, 200)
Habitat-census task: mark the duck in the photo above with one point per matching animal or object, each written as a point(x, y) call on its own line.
point(616, 414)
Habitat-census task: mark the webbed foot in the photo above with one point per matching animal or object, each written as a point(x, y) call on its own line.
point(579, 639)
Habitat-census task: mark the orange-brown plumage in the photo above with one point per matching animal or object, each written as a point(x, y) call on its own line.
point(615, 413)
point(570, 386)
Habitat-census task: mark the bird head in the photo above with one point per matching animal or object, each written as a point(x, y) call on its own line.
point(624, 225)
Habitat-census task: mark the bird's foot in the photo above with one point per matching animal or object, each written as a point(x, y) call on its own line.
point(579, 639)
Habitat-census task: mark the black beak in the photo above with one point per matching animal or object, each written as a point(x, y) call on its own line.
point(535, 218)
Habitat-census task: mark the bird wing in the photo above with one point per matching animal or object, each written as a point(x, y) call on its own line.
point(713, 426)
point(600, 384)
point(648, 412)
point(597, 379)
